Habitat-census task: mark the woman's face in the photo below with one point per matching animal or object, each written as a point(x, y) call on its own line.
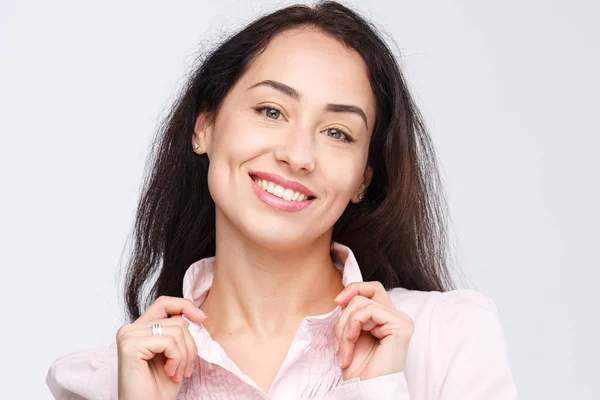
point(288, 147)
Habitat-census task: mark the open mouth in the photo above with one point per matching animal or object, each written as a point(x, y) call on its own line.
point(280, 191)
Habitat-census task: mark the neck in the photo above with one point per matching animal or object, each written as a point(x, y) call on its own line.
point(267, 293)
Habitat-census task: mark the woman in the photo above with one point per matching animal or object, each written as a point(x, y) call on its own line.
point(294, 198)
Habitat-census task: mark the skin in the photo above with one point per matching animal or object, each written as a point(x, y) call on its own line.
point(272, 267)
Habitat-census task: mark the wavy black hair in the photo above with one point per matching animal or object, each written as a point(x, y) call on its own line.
point(398, 233)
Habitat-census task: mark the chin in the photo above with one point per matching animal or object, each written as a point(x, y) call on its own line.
point(279, 238)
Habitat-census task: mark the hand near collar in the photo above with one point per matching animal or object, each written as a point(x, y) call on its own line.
point(372, 336)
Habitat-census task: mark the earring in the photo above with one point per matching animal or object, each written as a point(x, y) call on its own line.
point(361, 197)
point(196, 145)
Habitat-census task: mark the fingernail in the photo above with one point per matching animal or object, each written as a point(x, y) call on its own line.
point(201, 313)
point(339, 296)
point(339, 359)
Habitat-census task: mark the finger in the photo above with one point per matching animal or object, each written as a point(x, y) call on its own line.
point(340, 326)
point(373, 318)
point(371, 290)
point(175, 332)
point(190, 344)
point(167, 305)
point(146, 347)
point(191, 348)
point(179, 335)
point(178, 332)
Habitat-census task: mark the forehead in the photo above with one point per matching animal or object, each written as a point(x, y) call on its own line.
point(321, 68)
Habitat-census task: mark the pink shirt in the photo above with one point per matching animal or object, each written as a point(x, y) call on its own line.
point(457, 352)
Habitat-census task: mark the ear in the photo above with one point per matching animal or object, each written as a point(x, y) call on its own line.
point(362, 188)
point(202, 133)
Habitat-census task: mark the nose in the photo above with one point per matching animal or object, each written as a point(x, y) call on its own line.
point(297, 151)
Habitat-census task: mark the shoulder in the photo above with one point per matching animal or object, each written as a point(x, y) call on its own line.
point(445, 321)
point(443, 306)
point(457, 348)
point(89, 374)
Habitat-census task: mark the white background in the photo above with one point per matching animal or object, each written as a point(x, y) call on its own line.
point(509, 89)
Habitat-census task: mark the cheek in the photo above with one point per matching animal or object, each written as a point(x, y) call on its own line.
point(342, 181)
point(233, 143)
point(239, 140)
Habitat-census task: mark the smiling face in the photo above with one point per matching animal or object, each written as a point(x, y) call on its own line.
point(288, 147)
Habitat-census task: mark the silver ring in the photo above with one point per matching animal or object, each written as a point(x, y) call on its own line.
point(157, 329)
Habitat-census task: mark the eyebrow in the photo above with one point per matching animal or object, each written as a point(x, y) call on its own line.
point(295, 94)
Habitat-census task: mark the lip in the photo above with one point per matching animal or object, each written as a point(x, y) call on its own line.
point(295, 186)
point(277, 202)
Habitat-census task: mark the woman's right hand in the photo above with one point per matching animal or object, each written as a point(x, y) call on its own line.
point(153, 367)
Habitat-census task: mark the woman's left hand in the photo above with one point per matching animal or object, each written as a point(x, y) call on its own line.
point(372, 336)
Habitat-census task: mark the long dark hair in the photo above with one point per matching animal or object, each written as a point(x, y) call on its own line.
point(398, 233)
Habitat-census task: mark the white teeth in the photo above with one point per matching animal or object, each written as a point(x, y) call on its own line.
point(287, 194)
point(279, 191)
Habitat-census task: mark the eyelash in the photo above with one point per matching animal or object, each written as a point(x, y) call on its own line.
point(261, 109)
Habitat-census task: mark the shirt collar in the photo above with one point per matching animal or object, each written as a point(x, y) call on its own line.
point(199, 276)
point(314, 332)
